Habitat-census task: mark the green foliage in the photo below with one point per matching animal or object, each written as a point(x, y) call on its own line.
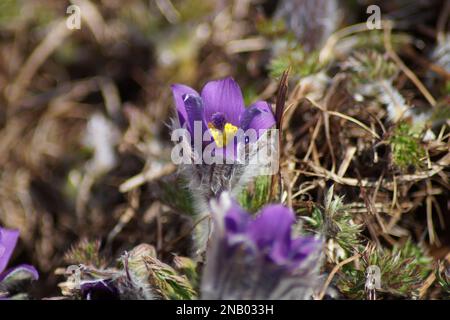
point(193, 10)
point(85, 252)
point(336, 223)
point(339, 222)
point(187, 267)
point(168, 282)
point(44, 15)
point(177, 196)
point(256, 195)
point(442, 111)
point(250, 94)
point(67, 52)
point(301, 63)
point(369, 66)
point(403, 269)
point(290, 52)
point(406, 147)
point(271, 27)
point(141, 18)
point(374, 39)
point(421, 259)
point(316, 221)
point(10, 13)
point(9, 10)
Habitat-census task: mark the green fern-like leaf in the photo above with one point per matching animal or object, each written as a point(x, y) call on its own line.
point(403, 270)
point(337, 224)
point(301, 64)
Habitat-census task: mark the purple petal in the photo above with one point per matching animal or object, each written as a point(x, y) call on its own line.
point(8, 241)
point(178, 91)
point(247, 117)
point(271, 231)
point(258, 116)
point(20, 273)
point(302, 247)
point(223, 96)
point(236, 219)
point(194, 110)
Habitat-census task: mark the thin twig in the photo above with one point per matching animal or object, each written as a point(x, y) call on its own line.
point(344, 116)
point(390, 51)
point(333, 272)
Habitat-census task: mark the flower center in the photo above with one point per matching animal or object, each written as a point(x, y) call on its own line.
point(221, 130)
point(218, 120)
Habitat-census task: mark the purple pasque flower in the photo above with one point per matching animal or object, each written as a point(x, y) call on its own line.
point(258, 258)
point(10, 277)
point(220, 112)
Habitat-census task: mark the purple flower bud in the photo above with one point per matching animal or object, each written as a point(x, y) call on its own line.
point(99, 290)
point(257, 258)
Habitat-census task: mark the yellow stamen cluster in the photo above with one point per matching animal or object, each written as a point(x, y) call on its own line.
point(222, 138)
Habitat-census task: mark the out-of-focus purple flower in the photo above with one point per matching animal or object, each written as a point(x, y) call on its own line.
point(9, 278)
point(257, 258)
point(8, 241)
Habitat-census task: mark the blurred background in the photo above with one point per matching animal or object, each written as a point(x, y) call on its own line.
point(84, 113)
